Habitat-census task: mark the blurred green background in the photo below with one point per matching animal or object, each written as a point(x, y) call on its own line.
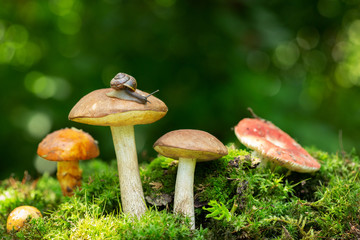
point(295, 63)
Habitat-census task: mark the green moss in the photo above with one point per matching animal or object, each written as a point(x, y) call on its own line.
point(101, 186)
point(153, 225)
point(275, 204)
point(234, 199)
point(44, 194)
point(94, 212)
point(160, 170)
point(158, 179)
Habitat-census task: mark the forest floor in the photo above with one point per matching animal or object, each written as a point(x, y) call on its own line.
point(234, 199)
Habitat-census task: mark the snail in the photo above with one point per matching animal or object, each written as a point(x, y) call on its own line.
point(124, 87)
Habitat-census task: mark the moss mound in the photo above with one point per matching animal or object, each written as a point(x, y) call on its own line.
point(234, 199)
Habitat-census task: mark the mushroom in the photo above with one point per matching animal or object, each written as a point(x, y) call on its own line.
point(67, 146)
point(273, 145)
point(188, 146)
point(18, 217)
point(96, 108)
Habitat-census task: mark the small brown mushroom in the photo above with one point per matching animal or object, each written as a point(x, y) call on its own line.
point(18, 217)
point(188, 146)
point(97, 108)
point(272, 144)
point(68, 146)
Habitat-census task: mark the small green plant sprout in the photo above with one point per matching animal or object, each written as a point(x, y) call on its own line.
point(67, 147)
point(96, 108)
point(188, 146)
point(273, 145)
point(218, 211)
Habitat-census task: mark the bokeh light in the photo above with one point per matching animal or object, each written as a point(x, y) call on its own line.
point(70, 23)
point(47, 87)
point(347, 53)
point(44, 166)
point(308, 37)
point(38, 124)
point(286, 55)
point(61, 7)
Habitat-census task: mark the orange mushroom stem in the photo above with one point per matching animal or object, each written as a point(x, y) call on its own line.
point(69, 176)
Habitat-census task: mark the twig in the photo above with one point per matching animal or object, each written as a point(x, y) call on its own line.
point(253, 113)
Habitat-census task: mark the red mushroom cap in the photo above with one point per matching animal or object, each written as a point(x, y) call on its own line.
point(275, 145)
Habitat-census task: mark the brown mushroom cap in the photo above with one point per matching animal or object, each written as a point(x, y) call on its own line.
point(68, 144)
point(188, 143)
point(17, 218)
point(96, 108)
point(274, 144)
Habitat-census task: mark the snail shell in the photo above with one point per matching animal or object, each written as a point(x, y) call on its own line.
point(124, 87)
point(123, 81)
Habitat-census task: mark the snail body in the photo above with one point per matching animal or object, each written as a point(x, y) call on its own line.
point(124, 87)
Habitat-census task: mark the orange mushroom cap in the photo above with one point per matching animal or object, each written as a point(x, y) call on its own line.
point(68, 144)
point(275, 145)
point(17, 218)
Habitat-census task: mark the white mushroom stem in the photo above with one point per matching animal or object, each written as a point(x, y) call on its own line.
point(184, 189)
point(264, 162)
point(257, 157)
point(132, 196)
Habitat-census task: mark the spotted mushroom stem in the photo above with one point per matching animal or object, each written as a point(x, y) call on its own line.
point(184, 189)
point(69, 176)
point(132, 196)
